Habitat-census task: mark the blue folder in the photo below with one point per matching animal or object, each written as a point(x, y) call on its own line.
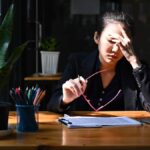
point(90, 121)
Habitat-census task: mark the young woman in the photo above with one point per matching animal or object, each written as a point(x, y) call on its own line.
point(110, 78)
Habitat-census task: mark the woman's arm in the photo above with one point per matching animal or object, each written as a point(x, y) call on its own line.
point(142, 78)
point(69, 87)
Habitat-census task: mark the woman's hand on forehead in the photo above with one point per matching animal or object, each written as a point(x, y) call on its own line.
point(120, 39)
point(115, 37)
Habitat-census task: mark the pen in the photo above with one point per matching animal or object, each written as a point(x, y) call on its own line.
point(25, 95)
point(38, 92)
point(40, 98)
point(16, 96)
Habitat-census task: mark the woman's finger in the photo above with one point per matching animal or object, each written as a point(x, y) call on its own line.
point(70, 86)
point(83, 83)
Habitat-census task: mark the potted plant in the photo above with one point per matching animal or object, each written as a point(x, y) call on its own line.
point(7, 61)
point(49, 56)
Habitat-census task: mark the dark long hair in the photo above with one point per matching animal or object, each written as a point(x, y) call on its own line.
point(115, 17)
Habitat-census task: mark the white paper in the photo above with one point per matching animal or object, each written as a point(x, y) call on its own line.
point(88, 121)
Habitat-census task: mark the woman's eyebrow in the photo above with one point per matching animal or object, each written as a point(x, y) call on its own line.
point(110, 37)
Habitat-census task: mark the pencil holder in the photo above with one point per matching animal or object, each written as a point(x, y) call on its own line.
point(27, 118)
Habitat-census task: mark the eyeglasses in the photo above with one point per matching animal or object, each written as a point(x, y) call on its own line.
point(88, 100)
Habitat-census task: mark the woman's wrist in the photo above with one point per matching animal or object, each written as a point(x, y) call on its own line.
point(135, 63)
point(65, 101)
point(63, 104)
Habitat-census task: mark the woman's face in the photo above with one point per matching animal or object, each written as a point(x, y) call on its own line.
point(109, 51)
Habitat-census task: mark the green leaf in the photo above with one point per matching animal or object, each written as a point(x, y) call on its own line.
point(5, 34)
point(16, 54)
point(49, 44)
point(7, 63)
point(7, 68)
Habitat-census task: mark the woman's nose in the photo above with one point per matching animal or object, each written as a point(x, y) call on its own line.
point(115, 48)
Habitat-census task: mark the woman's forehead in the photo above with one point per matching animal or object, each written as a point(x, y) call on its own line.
point(113, 28)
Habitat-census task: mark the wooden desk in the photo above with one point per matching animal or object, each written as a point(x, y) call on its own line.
point(53, 135)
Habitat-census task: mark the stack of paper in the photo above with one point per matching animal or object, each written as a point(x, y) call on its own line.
point(88, 121)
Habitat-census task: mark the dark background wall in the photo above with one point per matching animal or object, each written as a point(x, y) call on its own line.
point(74, 32)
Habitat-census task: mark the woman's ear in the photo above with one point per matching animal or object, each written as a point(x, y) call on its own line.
point(96, 37)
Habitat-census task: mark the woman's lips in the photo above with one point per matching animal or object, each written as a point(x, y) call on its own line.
point(113, 56)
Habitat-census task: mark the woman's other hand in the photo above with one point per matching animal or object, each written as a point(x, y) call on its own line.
point(73, 89)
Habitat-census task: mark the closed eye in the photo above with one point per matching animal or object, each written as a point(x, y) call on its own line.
point(112, 42)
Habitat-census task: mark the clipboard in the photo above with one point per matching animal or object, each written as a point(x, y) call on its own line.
point(95, 122)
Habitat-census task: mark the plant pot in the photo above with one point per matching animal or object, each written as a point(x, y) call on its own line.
point(49, 62)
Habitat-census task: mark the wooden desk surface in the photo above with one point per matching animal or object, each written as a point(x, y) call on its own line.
point(53, 135)
point(43, 78)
